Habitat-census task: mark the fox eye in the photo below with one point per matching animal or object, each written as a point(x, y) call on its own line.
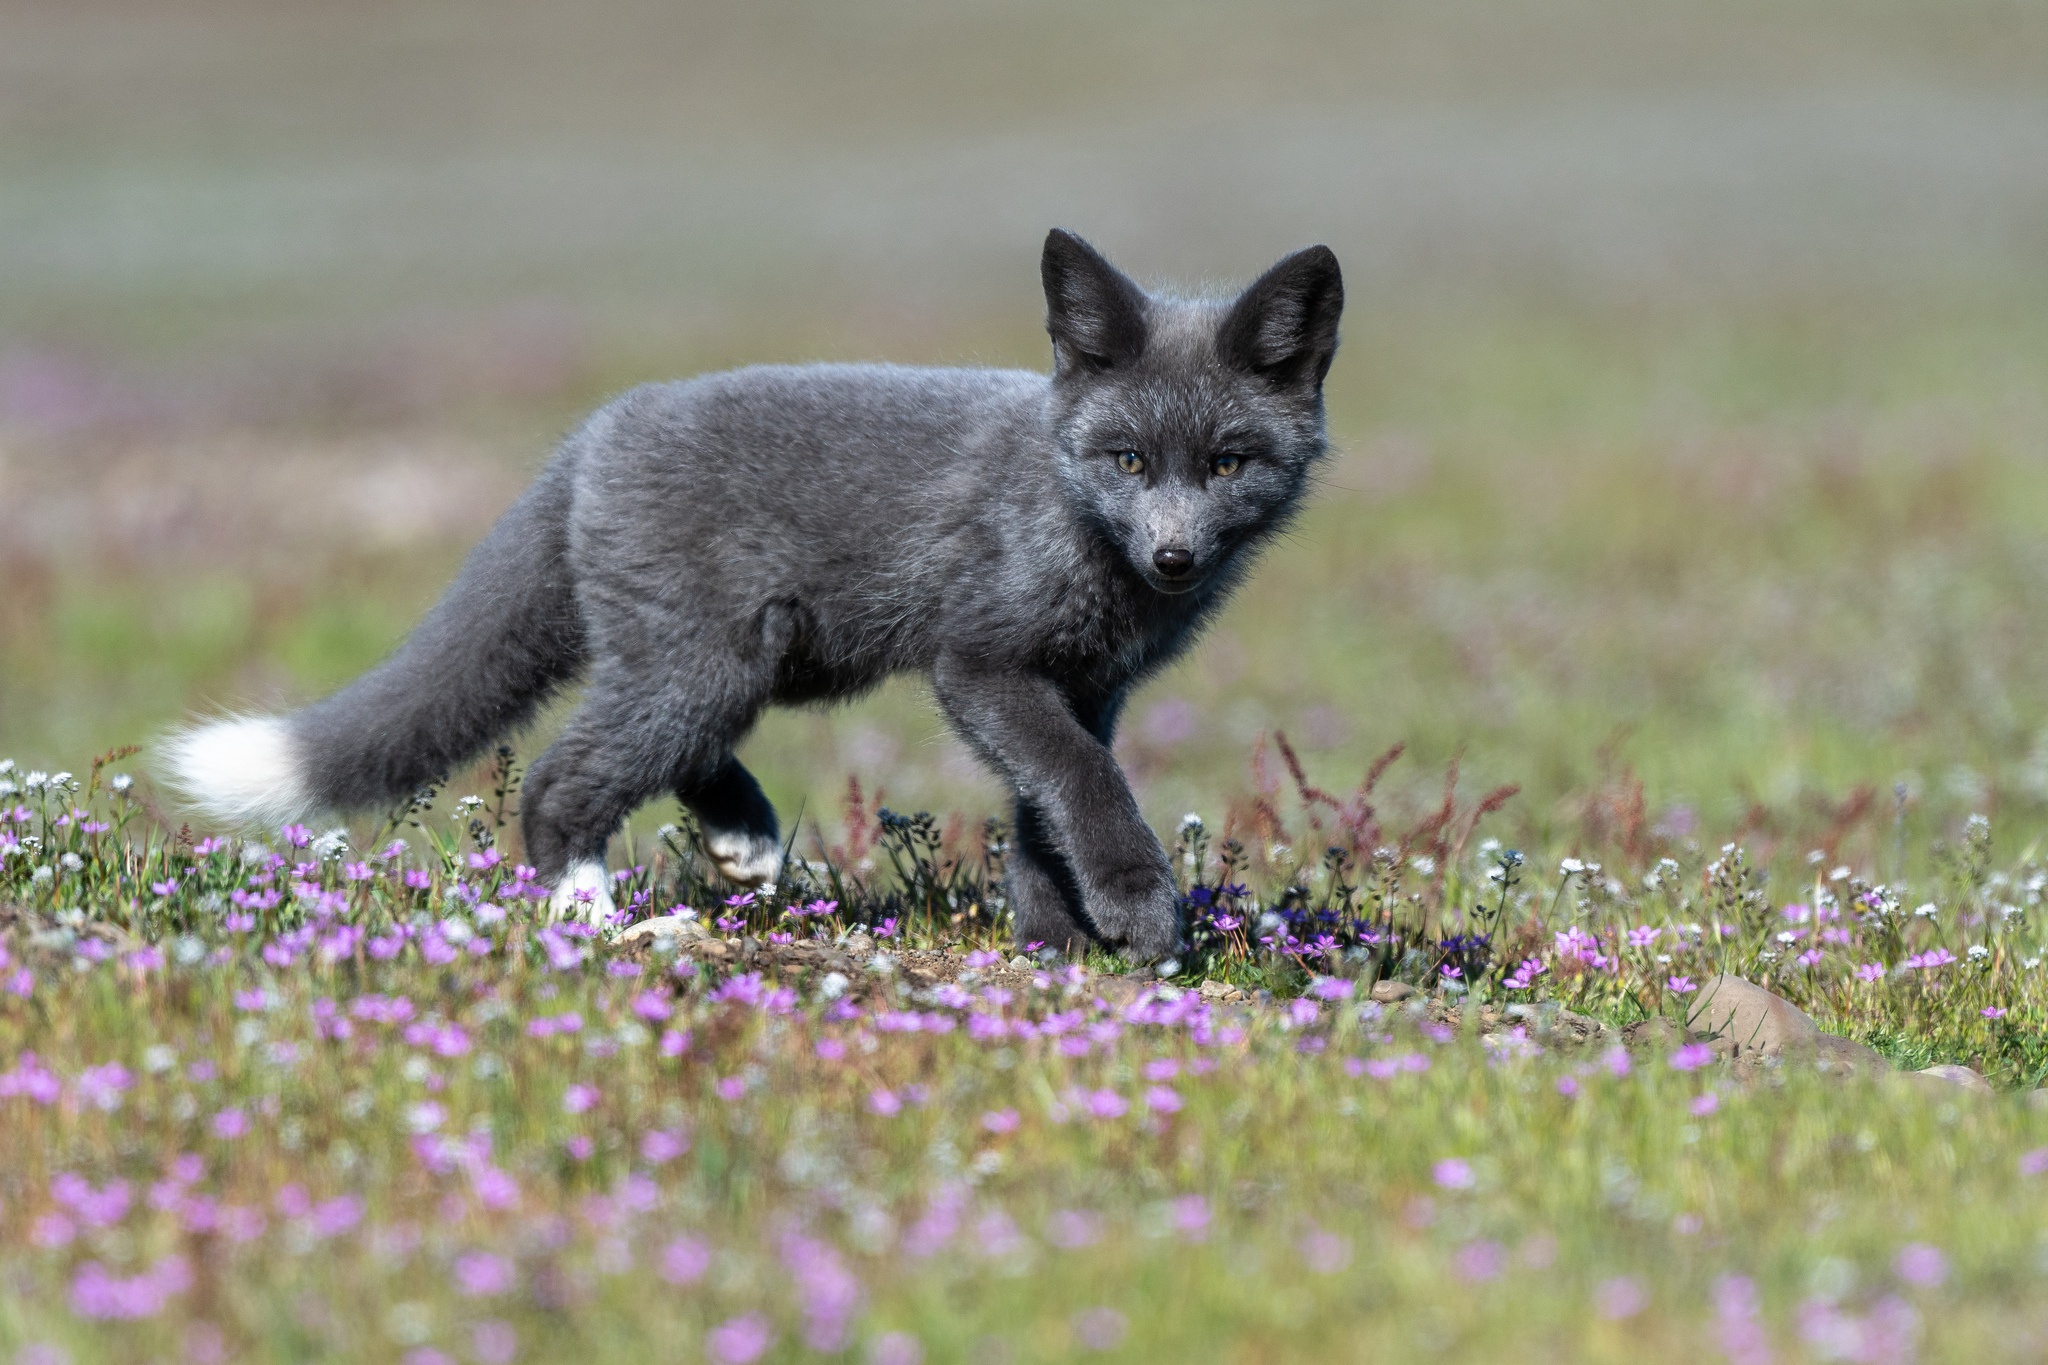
point(1130, 462)
point(1223, 466)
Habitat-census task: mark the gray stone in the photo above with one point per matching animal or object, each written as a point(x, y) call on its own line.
point(1847, 1057)
point(1746, 1022)
point(1658, 1037)
point(678, 927)
point(1392, 992)
point(1954, 1077)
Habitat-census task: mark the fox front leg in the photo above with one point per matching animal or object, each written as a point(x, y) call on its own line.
point(1087, 830)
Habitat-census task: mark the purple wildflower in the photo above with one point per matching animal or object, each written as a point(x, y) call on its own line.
point(739, 1341)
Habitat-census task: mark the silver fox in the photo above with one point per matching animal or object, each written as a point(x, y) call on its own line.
point(1035, 545)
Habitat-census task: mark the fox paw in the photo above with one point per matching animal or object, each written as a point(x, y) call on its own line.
point(745, 859)
point(584, 893)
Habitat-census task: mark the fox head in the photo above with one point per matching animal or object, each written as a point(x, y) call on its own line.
point(1187, 428)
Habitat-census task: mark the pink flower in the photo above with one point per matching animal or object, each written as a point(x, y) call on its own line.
point(1920, 1264)
point(896, 1348)
point(1191, 1218)
point(579, 1099)
point(480, 1275)
point(494, 1342)
point(885, 1103)
point(1099, 1329)
point(732, 1088)
point(1071, 1229)
point(1000, 1120)
point(1993, 1012)
point(2035, 1162)
point(652, 1005)
point(1692, 1057)
point(739, 1341)
point(1480, 1261)
point(1107, 1104)
point(1622, 1297)
point(230, 1124)
point(660, 1146)
point(1870, 971)
point(1453, 1174)
point(1163, 1099)
point(675, 1042)
point(1324, 1252)
point(685, 1260)
point(1704, 1104)
point(1680, 985)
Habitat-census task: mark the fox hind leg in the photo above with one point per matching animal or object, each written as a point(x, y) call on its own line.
point(740, 829)
point(623, 748)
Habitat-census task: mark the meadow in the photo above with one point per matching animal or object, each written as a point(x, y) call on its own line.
point(1672, 604)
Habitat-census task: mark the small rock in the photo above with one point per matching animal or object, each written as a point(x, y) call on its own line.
point(1021, 963)
point(1746, 1021)
point(1847, 1057)
point(717, 949)
point(1212, 989)
point(1568, 1026)
point(1391, 992)
point(1961, 1076)
point(859, 944)
point(1118, 990)
point(663, 926)
point(1657, 1036)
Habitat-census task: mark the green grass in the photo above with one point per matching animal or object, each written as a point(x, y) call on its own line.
point(230, 1139)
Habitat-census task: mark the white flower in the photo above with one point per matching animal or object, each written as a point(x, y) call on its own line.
point(7, 787)
point(1571, 867)
point(1840, 874)
point(1926, 910)
point(1977, 951)
point(455, 931)
point(45, 873)
point(35, 781)
point(120, 782)
point(71, 862)
point(1191, 821)
point(6, 765)
point(1423, 864)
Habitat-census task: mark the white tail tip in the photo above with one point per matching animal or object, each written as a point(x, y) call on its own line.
point(241, 771)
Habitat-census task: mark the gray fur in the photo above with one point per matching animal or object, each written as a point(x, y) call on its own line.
point(701, 549)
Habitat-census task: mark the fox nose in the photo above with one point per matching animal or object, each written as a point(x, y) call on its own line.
point(1173, 561)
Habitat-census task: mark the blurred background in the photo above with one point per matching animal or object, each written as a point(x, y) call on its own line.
point(1692, 417)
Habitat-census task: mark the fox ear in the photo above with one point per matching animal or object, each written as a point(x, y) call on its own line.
point(1284, 327)
point(1095, 313)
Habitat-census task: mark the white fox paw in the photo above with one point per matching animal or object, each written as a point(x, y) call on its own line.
point(745, 859)
point(585, 893)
